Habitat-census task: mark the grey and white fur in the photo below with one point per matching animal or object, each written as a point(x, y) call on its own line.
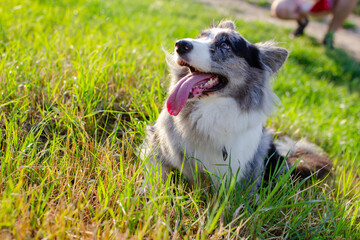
point(221, 130)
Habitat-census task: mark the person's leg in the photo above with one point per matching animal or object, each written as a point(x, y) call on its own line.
point(286, 9)
point(291, 9)
point(341, 11)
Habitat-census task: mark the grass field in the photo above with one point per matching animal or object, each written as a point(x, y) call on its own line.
point(79, 80)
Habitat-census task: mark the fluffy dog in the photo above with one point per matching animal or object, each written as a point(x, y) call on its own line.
point(213, 119)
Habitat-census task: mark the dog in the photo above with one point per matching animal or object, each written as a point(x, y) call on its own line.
point(213, 119)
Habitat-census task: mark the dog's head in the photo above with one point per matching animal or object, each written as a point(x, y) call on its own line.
point(220, 61)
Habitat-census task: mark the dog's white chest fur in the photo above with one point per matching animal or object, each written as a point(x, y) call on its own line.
point(228, 128)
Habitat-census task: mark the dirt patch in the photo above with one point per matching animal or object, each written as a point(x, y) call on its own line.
point(349, 40)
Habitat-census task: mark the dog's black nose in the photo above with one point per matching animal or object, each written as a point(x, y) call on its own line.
point(183, 46)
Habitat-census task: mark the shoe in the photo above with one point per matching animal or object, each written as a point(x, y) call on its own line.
point(329, 40)
point(300, 29)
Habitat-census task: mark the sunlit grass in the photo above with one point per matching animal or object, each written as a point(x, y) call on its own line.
point(79, 80)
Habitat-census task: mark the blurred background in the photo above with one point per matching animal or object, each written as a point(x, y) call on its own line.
point(79, 81)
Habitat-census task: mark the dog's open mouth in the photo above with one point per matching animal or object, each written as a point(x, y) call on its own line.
point(193, 85)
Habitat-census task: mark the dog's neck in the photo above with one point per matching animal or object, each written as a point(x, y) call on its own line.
point(217, 121)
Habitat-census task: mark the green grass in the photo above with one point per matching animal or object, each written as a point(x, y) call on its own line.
point(260, 3)
point(349, 25)
point(357, 9)
point(79, 80)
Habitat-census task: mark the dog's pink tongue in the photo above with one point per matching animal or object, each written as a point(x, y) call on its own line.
point(180, 93)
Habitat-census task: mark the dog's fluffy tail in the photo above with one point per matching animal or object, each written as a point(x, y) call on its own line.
point(308, 158)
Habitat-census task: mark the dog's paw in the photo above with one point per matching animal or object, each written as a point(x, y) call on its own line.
point(236, 214)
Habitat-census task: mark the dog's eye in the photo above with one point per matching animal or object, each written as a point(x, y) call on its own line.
point(224, 45)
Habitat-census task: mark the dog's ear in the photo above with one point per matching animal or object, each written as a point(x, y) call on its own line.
point(272, 56)
point(227, 24)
